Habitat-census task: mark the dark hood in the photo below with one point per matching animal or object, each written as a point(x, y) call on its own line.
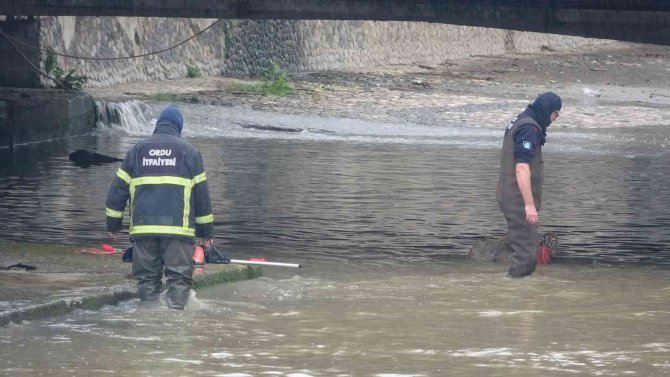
point(170, 121)
point(540, 110)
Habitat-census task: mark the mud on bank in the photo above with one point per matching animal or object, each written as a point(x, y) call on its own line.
point(630, 75)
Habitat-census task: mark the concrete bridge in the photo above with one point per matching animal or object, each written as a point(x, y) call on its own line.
point(628, 20)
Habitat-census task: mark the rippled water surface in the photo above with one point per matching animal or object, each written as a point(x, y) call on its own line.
point(371, 319)
point(380, 215)
point(346, 188)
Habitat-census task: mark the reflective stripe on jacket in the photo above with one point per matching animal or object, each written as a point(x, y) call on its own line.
point(164, 179)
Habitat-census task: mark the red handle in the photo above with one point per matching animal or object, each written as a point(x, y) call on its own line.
point(108, 248)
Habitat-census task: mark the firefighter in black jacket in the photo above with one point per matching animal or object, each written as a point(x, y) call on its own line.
point(164, 179)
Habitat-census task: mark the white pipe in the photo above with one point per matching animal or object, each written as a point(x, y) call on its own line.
point(276, 264)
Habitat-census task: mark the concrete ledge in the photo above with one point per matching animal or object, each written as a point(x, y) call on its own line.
point(66, 278)
point(209, 276)
point(60, 307)
point(31, 115)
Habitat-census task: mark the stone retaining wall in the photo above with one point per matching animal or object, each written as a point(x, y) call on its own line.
point(243, 47)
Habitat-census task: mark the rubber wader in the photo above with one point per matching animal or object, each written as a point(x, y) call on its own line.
point(523, 237)
point(174, 254)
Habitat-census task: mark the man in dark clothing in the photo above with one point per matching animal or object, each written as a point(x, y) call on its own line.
point(519, 192)
point(164, 179)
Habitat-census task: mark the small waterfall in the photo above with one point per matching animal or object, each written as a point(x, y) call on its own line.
point(131, 116)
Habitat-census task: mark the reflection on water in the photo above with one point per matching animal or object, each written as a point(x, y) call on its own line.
point(605, 193)
point(377, 215)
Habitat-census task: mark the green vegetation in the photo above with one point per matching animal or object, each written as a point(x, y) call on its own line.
point(69, 80)
point(220, 274)
point(166, 97)
point(192, 72)
point(275, 82)
point(227, 42)
point(50, 61)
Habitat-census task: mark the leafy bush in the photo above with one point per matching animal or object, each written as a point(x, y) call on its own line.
point(69, 80)
point(192, 72)
point(275, 82)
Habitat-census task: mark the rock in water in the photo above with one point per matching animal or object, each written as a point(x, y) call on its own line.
point(84, 158)
point(491, 249)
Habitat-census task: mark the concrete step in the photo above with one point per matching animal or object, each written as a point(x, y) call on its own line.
point(68, 278)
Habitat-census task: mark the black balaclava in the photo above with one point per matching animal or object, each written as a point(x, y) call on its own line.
point(540, 110)
point(170, 117)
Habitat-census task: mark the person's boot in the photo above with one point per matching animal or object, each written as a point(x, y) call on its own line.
point(523, 269)
point(177, 294)
point(149, 291)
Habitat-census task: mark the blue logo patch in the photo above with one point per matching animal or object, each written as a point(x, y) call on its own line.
point(527, 144)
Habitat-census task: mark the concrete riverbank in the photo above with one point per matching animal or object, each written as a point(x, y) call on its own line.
point(68, 278)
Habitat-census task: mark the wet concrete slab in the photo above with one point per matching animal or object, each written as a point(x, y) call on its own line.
point(69, 277)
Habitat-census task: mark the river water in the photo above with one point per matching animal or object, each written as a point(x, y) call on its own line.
point(381, 215)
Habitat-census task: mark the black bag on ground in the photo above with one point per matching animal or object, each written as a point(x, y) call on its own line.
point(214, 255)
point(127, 255)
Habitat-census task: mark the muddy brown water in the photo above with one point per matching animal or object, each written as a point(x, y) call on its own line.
point(381, 215)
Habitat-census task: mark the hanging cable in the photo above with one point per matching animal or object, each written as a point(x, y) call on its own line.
point(115, 58)
point(28, 60)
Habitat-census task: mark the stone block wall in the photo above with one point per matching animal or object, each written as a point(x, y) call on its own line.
point(245, 47)
point(106, 37)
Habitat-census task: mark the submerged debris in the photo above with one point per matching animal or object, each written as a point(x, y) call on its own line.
point(497, 249)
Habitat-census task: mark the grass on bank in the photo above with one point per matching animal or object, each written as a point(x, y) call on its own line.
point(275, 82)
point(167, 97)
point(262, 88)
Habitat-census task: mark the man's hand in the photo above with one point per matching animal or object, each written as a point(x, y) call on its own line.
point(523, 180)
point(531, 214)
point(114, 236)
point(207, 242)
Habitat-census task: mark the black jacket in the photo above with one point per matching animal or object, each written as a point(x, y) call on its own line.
point(164, 178)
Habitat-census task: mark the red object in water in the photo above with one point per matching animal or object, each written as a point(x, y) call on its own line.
point(198, 255)
point(258, 259)
point(543, 255)
point(108, 248)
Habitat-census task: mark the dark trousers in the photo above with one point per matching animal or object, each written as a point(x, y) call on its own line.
point(152, 255)
point(524, 241)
